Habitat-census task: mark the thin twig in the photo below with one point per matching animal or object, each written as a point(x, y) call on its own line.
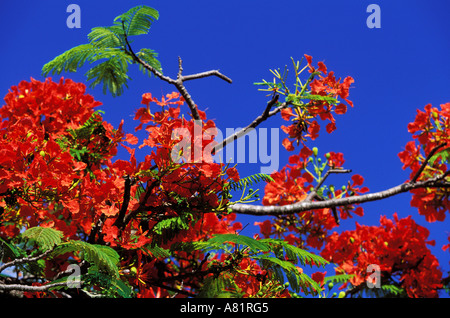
point(425, 163)
point(258, 120)
point(207, 74)
point(178, 83)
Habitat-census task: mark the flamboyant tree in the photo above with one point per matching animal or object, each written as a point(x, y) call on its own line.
point(75, 221)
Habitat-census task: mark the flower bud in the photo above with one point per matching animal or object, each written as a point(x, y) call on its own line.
point(315, 151)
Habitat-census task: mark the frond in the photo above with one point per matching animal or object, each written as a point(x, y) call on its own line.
point(295, 253)
point(296, 279)
point(137, 20)
point(108, 42)
point(149, 56)
point(46, 238)
point(250, 180)
point(112, 73)
point(71, 60)
point(103, 257)
point(107, 37)
point(220, 239)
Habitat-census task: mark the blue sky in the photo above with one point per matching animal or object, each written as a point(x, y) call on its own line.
point(397, 68)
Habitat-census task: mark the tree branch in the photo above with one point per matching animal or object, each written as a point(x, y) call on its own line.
point(24, 260)
point(425, 163)
point(206, 74)
point(179, 82)
point(126, 200)
point(302, 206)
point(258, 120)
point(29, 288)
point(142, 204)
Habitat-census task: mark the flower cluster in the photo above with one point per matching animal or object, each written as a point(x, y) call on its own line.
point(56, 170)
point(430, 129)
point(292, 184)
point(325, 90)
point(398, 247)
point(42, 181)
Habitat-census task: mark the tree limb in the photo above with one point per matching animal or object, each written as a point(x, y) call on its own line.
point(302, 206)
point(424, 164)
point(179, 82)
point(24, 260)
point(258, 120)
point(29, 288)
point(126, 200)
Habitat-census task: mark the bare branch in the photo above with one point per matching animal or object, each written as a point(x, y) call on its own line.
point(258, 120)
point(328, 173)
point(29, 288)
point(207, 74)
point(436, 182)
point(24, 260)
point(178, 83)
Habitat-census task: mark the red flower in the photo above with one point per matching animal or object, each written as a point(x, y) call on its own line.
point(398, 247)
point(318, 277)
point(233, 174)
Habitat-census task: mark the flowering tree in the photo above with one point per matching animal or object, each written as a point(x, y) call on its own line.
point(76, 221)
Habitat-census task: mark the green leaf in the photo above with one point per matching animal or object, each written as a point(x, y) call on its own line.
point(122, 289)
point(71, 60)
point(319, 97)
point(248, 181)
point(107, 37)
point(137, 20)
point(104, 257)
point(108, 43)
point(112, 73)
point(394, 290)
point(296, 254)
point(156, 251)
point(294, 277)
point(10, 250)
point(149, 56)
point(255, 245)
point(46, 238)
point(444, 154)
point(222, 286)
point(342, 278)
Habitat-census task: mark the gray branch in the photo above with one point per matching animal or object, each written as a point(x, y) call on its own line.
point(436, 182)
point(24, 260)
point(179, 82)
point(258, 120)
point(29, 288)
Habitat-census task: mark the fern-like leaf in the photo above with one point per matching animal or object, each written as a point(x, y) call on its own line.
point(71, 60)
point(108, 44)
point(107, 37)
point(150, 57)
point(137, 20)
point(46, 238)
point(296, 279)
point(103, 257)
point(112, 73)
point(250, 180)
point(219, 240)
point(337, 279)
point(295, 253)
